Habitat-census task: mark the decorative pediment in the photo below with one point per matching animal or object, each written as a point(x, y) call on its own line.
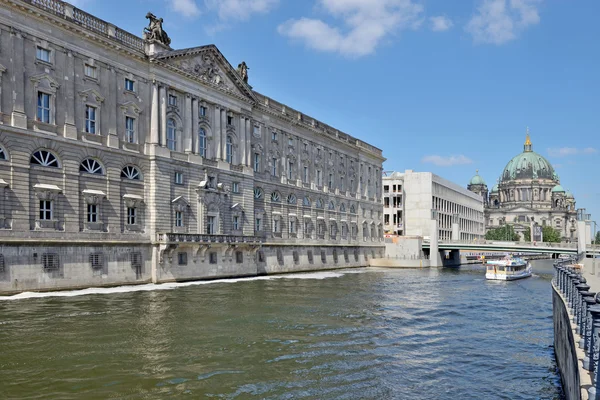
point(130, 108)
point(45, 81)
point(180, 203)
point(91, 95)
point(206, 64)
point(237, 209)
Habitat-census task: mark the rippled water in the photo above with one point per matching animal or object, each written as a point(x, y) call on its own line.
point(358, 334)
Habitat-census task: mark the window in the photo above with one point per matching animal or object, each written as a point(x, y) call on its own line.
point(319, 178)
point(275, 197)
point(131, 215)
point(290, 169)
point(178, 178)
point(276, 225)
point(203, 111)
point(306, 201)
point(171, 135)
point(256, 162)
point(130, 130)
point(235, 187)
point(229, 120)
point(320, 203)
point(44, 158)
point(274, 168)
point(97, 260)
point(202, 142)
point(258, 224)
point(3, 155)
point(50, 262)
point(331, 205)
point(131, 172)
point(256, 131)
point(236, 223)
point(129, 85)
point(43, 107)
point(182, 258)
point(342, 207)
point(90, 119)
point(274, 136)
point(42, 54)
point(258, 193)
point(172, 100)
point(305, 146)
point(92, 213)
point(210, 225)
point(292, 225)
point(91, 166)
point(330, 183)
point(90, 71)
point(239, 257)
point(229, 150)
point(46, 210)
point(305, 177)
point(318, 152)
point(178, 218)
point(290, 141)
point(342, 188)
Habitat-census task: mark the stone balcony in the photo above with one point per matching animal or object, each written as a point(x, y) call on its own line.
point(201, 243)
point(194, 238)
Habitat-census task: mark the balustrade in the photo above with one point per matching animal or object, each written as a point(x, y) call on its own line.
point(174, 238)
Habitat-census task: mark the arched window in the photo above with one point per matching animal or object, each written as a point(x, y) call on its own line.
point(258, 193)
point(229, 150)
point(44, 158)
point(202, 142)
point(306, 201)
point(131, 172)
point(291, 199)
point(3, 155)
point(331, 205)
point(352, 209)
point(343, 207)
point(171, 134)
point(91, 166)
point(275, 197)
point(319, 203)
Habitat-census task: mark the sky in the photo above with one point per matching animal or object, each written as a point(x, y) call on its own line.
point(447, 86)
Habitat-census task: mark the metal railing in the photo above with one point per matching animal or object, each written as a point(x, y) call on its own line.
point(584, 311)
point(564, 245)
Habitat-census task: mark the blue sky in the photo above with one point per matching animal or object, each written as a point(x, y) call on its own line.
point(442, 86)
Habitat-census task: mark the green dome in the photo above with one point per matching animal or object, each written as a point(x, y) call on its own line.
point(570, 195)
point(477, 180)
point(528, 165)
point(558, 189)
point(495, 188)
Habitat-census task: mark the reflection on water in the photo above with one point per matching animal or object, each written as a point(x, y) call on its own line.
point(358, 334)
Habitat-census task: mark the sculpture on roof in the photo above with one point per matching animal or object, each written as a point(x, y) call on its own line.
point(242, 69)
point(154, 30)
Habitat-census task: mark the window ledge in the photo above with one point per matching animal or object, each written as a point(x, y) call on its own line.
point(43, 63)
point(44, 127)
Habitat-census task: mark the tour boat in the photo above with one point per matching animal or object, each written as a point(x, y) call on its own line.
point(507, 269)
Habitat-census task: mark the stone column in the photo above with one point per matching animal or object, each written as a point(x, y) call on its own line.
point(223, 133)
point(242, 141)
point(18, 117)
point(154, 116)
point(194, 125)
point(187, 125)
point(248, 147)
point(69, 128)
point(163, 115)
point(217, 134)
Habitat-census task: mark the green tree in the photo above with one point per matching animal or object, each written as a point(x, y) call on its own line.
point(550, 235)
point(527, 235)
point(597, 241)
point(505, 232)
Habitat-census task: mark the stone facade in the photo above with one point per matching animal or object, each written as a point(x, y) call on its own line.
point(123, 160)
point(412, 199)
point(528, 193)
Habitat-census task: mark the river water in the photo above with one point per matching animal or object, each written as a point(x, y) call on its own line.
point(351, 334)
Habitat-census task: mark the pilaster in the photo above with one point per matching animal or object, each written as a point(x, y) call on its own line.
point(223, 133)
point(187, 125)
point(111, 108)
point(70, 129)
point(154, 116)
point(163, 115)
point(194, 138)
point(217, 134)
point(18, 117)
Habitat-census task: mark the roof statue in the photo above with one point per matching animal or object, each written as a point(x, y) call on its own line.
point(154, 30)
point(242, 69)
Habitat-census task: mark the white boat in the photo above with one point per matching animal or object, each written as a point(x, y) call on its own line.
point(507, 269)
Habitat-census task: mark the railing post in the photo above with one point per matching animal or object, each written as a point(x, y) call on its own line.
point(588, 301)
point(582, 291)
point(594, 351)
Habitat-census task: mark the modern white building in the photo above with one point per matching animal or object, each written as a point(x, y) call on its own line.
point(412, 199)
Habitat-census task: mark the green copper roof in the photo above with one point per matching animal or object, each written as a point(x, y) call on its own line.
point(558, 189)
point(570, 195)
point(528, 165)
point(477, 180)
point(495, 188)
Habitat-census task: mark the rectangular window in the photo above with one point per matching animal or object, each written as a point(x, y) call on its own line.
point(43, 107)
point(182, 258)
point(256, 162)
point(210, 225)
point(129, 85)
point(290, 141)
point(330, 183)
point(305, 146)
point(46, 210)
point(90, 71)
point(292, 226)
point(274, 168)
point(305, 174)
point(319, 178)
point(256, 131)
point(179, 178)
point(42, 54)
point(258, 224)
point(236, 222)
point(203, 111)
point(235, 187)
point(90, 119)
point(172, 100)
point(229, 120)
point(130, 130)
point(178, 218)
point(276, 225)
point(131, 216)
point(273, 135)
point(92, 213)
point(290, 169)
point(342, 188)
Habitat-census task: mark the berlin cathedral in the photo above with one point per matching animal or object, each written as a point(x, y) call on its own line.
point(528, 192)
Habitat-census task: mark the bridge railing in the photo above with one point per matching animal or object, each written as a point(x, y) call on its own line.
point(563, 245)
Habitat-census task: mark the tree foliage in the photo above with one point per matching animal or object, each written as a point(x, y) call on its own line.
point(597, 240)
point(549, 235)
point(505, 232)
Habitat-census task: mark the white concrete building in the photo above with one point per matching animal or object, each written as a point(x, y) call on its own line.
point(411, 199)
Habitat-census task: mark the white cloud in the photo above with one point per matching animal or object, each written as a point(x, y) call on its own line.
point(440, 23)
point(187, 8)
point(447, 161)
point(570, 151)
point(500, 21)
point(364, 25)
point(239, 10)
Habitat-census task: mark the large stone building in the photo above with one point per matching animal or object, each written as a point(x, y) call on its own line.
point(124, 160)
point(528, 192)
point(411, 200)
